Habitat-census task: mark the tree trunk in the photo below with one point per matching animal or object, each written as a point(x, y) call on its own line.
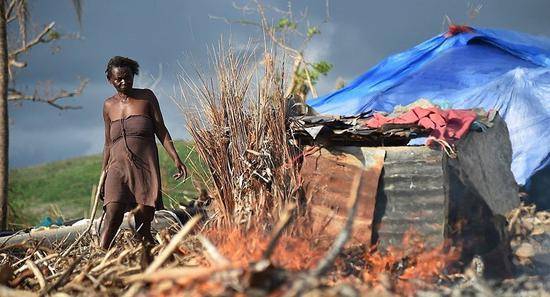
point(4, 136)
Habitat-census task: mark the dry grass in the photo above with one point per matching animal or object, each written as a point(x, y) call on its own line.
point(240, 131)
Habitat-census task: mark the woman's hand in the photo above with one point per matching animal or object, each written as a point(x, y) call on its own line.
point(182, 171)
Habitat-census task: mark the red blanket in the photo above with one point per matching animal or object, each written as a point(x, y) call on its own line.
point(449, 124)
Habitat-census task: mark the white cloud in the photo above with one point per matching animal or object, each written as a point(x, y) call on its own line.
point(320, 46)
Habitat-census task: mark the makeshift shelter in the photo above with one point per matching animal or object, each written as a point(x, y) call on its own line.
point(466, 68)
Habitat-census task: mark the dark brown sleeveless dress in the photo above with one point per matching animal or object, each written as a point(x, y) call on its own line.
point(133, 175)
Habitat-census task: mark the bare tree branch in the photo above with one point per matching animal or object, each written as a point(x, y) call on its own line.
point(244, 9)
point(327, 11)
point(37, 39)
point(78, 10)
point(17, 64)
point(240, 22)
point(269, 30)
point(287, 12)
point(294, 78)
point(15, 95)
point(22, 14)
point(213, 253)
point(10, 8)
point(283, 223)
point(309, 83)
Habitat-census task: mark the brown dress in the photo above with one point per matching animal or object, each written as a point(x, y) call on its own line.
point(133, 174)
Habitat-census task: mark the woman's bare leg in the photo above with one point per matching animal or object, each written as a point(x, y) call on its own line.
point(114, 214)
point(144, 215)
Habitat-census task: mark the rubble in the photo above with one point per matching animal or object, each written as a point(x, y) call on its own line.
point(525, 251)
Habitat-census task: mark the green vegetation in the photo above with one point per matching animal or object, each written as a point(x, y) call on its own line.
point(315, 70)
point(65, 187)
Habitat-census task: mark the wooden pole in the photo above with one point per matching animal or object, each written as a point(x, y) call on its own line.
point(4, 135)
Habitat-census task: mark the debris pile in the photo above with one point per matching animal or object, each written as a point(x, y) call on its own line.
point(201, 261)
point(353, 130)
point(530, 242)
point(420, 119)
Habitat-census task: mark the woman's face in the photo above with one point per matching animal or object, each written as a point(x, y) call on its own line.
point(122, 79)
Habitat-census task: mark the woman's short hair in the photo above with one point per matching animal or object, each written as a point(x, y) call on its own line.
point(118, 61)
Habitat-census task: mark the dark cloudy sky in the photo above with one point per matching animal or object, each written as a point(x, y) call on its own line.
point(172, 33)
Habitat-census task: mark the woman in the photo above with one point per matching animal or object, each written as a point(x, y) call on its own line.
point(130, 158)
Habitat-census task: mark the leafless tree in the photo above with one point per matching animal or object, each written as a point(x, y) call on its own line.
point(15, 19)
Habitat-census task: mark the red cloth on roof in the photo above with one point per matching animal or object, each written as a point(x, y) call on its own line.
point(457, 29)
point(446, 124)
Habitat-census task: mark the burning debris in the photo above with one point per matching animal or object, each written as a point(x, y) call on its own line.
point(210, 264)
point(203, 262)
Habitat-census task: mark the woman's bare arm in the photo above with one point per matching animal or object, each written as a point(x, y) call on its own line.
point(165, 138)
point(107, 145)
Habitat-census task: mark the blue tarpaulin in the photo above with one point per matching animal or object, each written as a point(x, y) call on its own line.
point(492, 69)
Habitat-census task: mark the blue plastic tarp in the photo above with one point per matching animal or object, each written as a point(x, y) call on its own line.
point(491, 69)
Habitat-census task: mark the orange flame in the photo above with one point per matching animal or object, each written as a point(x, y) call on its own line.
point(410, 266)
point(404, 270)
point(242, 247)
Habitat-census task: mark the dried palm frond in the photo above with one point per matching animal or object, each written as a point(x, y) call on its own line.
point(240, 131)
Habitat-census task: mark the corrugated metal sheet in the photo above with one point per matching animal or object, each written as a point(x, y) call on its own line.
point(410, 192)
point(328, 175)
point(417, 191)
point(411, 196)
